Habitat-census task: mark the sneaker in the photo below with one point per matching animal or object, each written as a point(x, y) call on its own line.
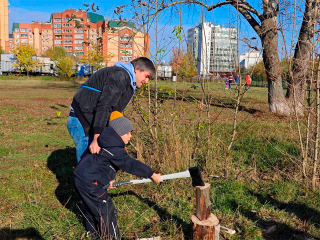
point(92, 235)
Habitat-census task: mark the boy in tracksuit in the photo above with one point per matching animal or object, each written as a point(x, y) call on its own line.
point(98, 170)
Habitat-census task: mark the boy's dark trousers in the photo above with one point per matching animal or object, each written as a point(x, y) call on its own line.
point(99, 210)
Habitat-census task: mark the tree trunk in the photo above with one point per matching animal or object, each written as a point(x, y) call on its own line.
point(269, 40)
point(298, 75)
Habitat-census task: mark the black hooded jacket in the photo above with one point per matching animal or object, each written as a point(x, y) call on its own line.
point(93, 108)
point(101, 168)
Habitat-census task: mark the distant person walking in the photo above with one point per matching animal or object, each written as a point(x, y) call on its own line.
point(230, 82)
point(227, 84)
point(248, 82)
point(236, 80)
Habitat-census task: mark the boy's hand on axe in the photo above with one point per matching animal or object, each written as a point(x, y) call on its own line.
point(156, 177)
point(110, 185)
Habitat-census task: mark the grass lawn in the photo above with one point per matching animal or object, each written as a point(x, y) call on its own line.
point(256, 188)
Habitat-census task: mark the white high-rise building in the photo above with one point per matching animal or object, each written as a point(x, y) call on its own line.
point(250, 58)
point(213, 47)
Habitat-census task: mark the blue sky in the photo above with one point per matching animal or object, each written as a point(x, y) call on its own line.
point(36, 10)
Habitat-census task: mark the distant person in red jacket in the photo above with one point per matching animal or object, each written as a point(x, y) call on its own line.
point(248, 81)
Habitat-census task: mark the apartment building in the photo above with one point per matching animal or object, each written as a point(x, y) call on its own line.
point(123, 42)
point(4, 30)
point(75, 30)
point(31, 33)
point(213, 47)
point(9, 43)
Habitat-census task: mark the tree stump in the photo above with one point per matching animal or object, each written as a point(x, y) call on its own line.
point(207, 229)
point(205, 225)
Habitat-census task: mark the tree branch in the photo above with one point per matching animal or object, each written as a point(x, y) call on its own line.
point(244, 8)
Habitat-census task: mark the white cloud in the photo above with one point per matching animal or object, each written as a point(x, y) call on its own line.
point(21, 15)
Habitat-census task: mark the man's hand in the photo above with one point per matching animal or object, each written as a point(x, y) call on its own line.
point(156, 177)
point(110, 185)
point(94, 147)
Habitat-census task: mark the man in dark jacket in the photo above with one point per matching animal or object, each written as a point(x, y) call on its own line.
point(109, 89)
point(98, 170)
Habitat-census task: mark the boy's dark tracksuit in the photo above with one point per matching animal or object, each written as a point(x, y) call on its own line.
point(96, 170)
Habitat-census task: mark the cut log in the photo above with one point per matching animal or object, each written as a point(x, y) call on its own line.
point(208, 229)
point(203, 201)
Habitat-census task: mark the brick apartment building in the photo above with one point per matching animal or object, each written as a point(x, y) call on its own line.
point(4, 30)
point(76, 29)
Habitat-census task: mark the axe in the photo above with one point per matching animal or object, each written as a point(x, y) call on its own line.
point(193, 172)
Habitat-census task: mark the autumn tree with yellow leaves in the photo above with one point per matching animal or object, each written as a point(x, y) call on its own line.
point(182, 64)
point(26, 58)
point(94, 57)
point(64, 66)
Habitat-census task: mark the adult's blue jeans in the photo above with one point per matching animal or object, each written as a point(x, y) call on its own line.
point(79, 138)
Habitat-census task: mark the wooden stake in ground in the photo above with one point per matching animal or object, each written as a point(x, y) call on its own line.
point(205, 225)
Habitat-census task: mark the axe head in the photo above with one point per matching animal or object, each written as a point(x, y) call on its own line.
point(196, 177)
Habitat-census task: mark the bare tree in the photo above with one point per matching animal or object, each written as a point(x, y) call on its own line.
point(266, 25)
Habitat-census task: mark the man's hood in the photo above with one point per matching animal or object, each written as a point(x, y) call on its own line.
point(110, 138)
point(130, 69)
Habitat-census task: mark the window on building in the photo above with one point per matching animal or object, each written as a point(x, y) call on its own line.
point(68, 47)
point(78, 47)
point(17, 40)
point(10, 40)
point(57, 25)
point(57, 31)
point(47, 31)
point(63, 25)
point(67, 41)
point(23, 30)
point(30, 36)
point(24, 35)
point(63, 19)
point(30, 41)
point(126, 45)
point(78, 41)
point(78, 30)
point(126, 52)
point(17, 30)
point(57, 20)
point(126, 39)
point(58, 41)
point(17, 35)
point(79, 53)
point(67, 36)
point(70, 30)
point(58, 36)
point(29, 30)
point(67, 25)
point(125, 58)
point(78, 36)
point(24, 40)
